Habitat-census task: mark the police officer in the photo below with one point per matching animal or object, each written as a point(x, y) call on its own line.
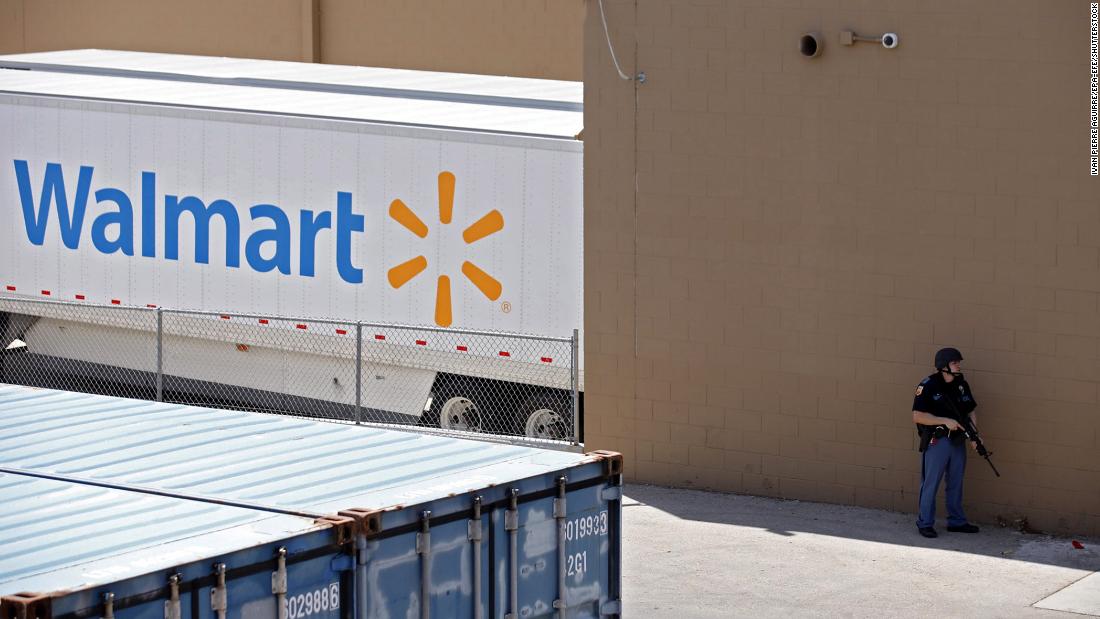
point(940, 402)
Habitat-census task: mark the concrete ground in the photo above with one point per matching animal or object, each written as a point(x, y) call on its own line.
point(688, 553)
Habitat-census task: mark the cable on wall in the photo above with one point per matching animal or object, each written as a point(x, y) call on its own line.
point(641, 74)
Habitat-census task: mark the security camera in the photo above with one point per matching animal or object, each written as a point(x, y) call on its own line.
point(890, 40)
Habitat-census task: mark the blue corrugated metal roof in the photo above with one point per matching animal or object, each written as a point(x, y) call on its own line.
point(251, 458)
point(55, 534)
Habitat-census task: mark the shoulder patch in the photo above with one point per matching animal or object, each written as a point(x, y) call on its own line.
point(920, 388)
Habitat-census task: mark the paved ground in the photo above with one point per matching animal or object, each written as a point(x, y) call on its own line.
point(698, 554)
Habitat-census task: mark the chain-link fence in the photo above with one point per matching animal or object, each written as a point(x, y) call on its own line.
point(515, 387)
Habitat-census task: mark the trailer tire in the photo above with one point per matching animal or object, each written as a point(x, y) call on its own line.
point(460, 413)
point(546, 416)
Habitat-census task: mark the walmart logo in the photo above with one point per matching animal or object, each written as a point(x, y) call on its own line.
point(279, 241)
point(489, 224)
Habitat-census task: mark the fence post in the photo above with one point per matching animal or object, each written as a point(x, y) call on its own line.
point(358, 372)
point(575, 379)
point(160, 354)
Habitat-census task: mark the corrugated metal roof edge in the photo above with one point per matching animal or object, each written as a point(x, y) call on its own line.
point(368, 522)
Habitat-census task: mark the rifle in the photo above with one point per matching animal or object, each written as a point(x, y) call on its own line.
point(972, 434)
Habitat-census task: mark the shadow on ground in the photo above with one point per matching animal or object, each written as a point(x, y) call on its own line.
point(786, 518)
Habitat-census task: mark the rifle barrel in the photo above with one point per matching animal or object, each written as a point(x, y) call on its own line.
point(995, 471)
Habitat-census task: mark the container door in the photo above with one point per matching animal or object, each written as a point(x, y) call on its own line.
point(582, 541)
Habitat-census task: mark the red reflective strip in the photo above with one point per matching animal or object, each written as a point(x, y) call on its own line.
point(547, 360)
point(150, 305)
point(116, 302)
point(302, 327)
point(11, 288)
point(341, 332)
point(379, 337)
point(263, 321)
point(461, 348)
point(224, 317)
point(421, 343)
point(79, 297)
point(46, 292)
point(505, 353)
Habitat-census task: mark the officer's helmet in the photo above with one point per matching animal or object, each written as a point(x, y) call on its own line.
point(945, 356)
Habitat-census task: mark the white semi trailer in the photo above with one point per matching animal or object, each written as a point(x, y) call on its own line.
point(286, 189)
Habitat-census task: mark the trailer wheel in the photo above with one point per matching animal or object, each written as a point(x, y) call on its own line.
point(460, 413)
point(547, 417)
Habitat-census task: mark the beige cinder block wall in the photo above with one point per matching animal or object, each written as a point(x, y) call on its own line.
point(532, 38)
point(269, 29)
point(804, 234)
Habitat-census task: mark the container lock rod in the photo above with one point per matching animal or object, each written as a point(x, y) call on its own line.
point(172, 604)
point(424, 549)
point(279, 583)
point(511, 525)
point(559, 515)
point(219, 597)
point(474, 534)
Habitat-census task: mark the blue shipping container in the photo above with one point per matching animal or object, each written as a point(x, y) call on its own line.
point(70, 550)
point(442, 526)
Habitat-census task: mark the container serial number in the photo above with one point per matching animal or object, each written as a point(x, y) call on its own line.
point(586, 526)
point(577, 564)
point(313, 602)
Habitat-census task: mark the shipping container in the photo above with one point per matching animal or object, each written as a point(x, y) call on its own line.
point(442, 526)
point(70, 550)
point(296, 189)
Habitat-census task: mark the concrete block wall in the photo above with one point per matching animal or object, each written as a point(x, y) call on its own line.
point(529, 38)
point(775, 246)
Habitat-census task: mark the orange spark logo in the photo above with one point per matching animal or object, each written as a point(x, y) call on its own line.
point(490, 223)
